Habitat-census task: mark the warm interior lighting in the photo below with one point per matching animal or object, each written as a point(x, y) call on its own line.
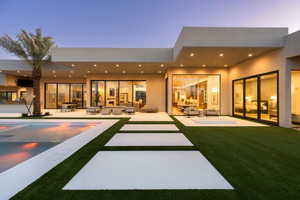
point(142, 72)
point(95, 65)
point(73, 65)
point(53, 71)
point(18, 71)
point(192, 54)
point(221, 54)
point(88, 71)
point(250, 55)
point(159, 71)
point(123, 71)
point(117, 65)
point(204, 65)
point(0, 71)
point(162, 65)
point(140, 65)
point(181, 65)
point(105, 71)
point(226, 65)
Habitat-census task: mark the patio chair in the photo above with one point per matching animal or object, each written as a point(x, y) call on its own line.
point(117, 111)
point(105, 111)
point(191, 111)
point(129, 110)
point(92, 110)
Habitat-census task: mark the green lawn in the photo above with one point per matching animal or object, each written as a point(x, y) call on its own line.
point(260, 163)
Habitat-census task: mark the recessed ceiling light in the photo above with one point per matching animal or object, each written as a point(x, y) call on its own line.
point(140, 65)
point(221, 54)
point(95, 65)
point(204, 65)
point(142, 72)
point(70, 76)
point(250, 55)
point(226, 65)
point(73, 65)
point(105, 71)
point(54, 76)
point(181, 65)
point(117, 65)
point(88, 71)
point(192, 54)
point(159, 71)
point(53, 71)
point(123, 72)
point(162, 65)
point(72, 71)
point(18, 71)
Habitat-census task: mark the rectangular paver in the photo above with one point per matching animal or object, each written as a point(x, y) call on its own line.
point(149, 127)
point(149, 139)
point(126, 170)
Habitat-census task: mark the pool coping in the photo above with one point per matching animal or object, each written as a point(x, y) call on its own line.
point(25, 173)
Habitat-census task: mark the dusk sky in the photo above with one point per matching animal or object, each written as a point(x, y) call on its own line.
point(138, 23)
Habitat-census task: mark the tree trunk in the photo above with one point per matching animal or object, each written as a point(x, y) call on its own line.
point(36, 76)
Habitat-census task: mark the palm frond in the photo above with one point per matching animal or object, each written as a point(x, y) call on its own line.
point(32, 47)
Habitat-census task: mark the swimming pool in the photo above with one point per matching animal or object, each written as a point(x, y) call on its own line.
point(20, 141)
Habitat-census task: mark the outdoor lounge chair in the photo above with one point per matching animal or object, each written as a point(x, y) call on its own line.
point(105, 111)
point(117, 111)
point(191, 111)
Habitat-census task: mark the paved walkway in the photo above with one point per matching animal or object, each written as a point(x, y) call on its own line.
point(151, 169)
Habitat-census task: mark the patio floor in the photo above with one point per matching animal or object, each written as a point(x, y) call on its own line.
point(212, 121)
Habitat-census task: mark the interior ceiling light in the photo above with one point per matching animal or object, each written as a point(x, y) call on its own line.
point(250, 55)
point(221, 54)
point(181, 65)
point(140, 65)
point(0, 71)
point(142, 72)
point(117, 65)
point(192, 54)
point(95, 65)
point(53, 71)
point(18, 71)
point(73, 65)
point(159, 71)
point(204, 65)
point(72, 71)
point(54, 75)
point(162, 65)
point(123, 71)
point(105, 71)
point(226, 65)
point(88, 71)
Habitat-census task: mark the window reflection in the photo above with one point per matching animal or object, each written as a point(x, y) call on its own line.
point(251, 97)
point(118, 93)
point(238, 98)
point(295, 91)
point(268, 96)
point(198, 91)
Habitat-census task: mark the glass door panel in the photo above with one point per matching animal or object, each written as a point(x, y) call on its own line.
point(112, 88)
point(238, 97)
point(251, 104)
point(139, 94)
point(125, 96)
point(63, 94)
point(76, 95)
point(268, 97)
point(98, 93)
point(50, 95)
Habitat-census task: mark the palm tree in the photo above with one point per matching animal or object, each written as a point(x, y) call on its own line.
point(34, 49)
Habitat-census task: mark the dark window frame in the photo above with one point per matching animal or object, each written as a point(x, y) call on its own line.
point(258, 76)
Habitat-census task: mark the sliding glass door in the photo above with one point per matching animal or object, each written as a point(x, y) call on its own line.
point(251, 97)
point(57, 94)
point(118, 93)
point(256, 97)
point(195, 90)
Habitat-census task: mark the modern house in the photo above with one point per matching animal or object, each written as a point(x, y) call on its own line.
point(244, 72)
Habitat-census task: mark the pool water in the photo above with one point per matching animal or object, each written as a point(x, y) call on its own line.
point(21, 141)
